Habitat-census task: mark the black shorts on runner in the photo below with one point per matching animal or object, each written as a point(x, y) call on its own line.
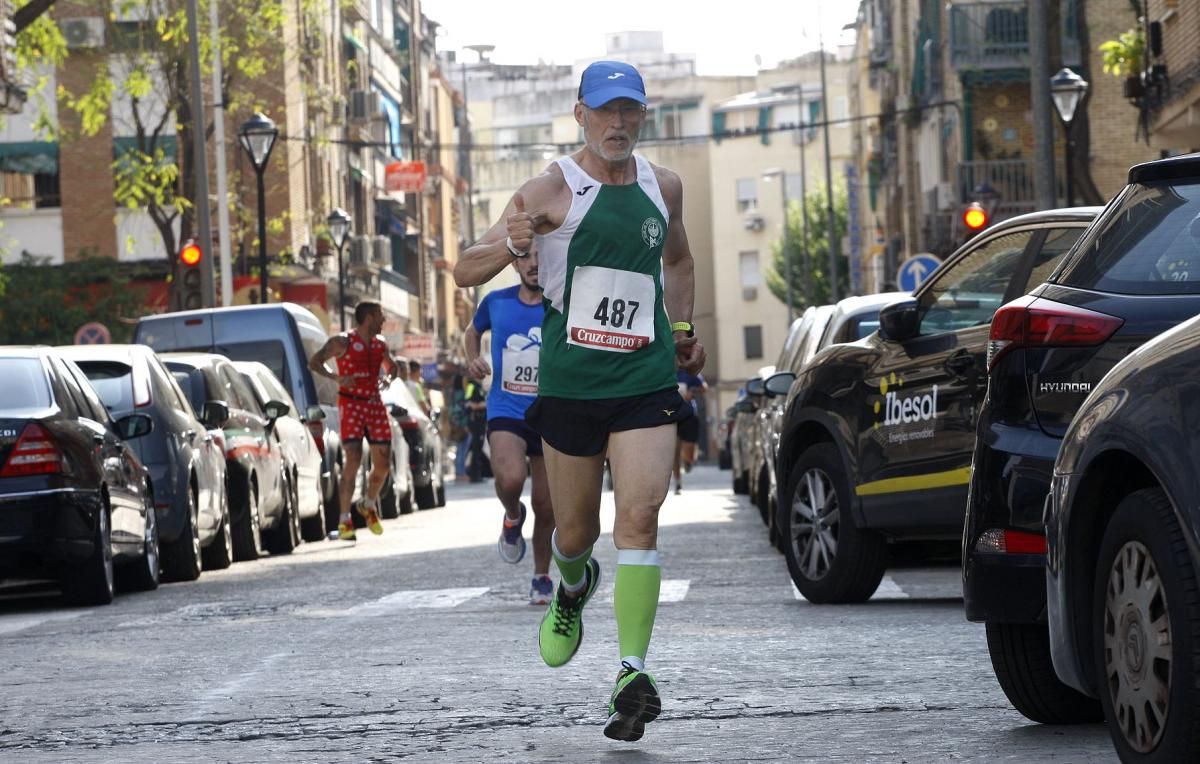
point(520, 428)
point(582, 427)
point(689, 429)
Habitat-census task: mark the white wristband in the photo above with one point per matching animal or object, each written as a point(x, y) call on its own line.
point(513, 250)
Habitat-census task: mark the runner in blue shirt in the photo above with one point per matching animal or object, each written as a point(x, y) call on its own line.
point(514, 317)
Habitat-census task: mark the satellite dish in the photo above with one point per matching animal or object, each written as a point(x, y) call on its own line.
point(758, 60)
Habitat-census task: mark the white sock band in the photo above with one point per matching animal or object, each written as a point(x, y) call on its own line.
point(638, 557)
point(637, 663)
point(558, 552)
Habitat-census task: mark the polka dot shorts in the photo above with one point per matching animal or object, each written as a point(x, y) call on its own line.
point(369, 418)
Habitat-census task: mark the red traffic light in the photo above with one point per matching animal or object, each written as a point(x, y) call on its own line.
point(190, 254)
point(974, 217)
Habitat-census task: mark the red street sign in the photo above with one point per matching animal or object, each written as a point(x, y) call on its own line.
point(404, 177)
point(92, 334)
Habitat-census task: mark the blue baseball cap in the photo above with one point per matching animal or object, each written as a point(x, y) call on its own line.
point(604, 81)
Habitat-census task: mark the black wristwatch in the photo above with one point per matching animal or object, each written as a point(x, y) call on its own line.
point(684, 326)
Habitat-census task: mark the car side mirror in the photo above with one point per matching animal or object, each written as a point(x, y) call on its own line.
point(755, 387)
point(214, 414)
point(314, 413)
point(134, 426)
point(779, 384)
point(900, 321)
point(276, 409)
point(399, 411)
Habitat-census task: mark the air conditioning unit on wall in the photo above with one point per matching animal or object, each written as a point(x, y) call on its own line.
point(364, 105)
point(360, 251)
point(754, 223)
point(381, 250)
point(83, 32)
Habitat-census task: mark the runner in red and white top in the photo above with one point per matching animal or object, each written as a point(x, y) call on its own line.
point(360, 355)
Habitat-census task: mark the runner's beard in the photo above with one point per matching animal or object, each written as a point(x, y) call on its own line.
point(533, 287)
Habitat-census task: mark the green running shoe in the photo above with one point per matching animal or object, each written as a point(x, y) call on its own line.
point(562, 626)
point(634, 703)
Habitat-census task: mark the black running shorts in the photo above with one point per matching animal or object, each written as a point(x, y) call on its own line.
point(582, 427)
point(520, 428)
point(689, 429)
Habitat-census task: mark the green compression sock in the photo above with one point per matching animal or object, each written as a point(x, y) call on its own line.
point(635, 601)
point(571, 569)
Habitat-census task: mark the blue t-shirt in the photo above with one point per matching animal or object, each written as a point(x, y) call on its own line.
point(516, 344)
point(686, 382)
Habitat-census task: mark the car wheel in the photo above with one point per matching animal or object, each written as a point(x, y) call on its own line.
point(724, 460)
point(388, 506)
point(1020, 654)
point(313, 528)
point(143, 575)
point(91, 581)
point(181, 558)
point(441, 493)
point(426, 496)
point(247, 535)
point(760, 496)
point(285, 536)
point(741, 483)
point(1146, 629)
point(406, 503)
point(830, 559)
point(773, 533)
point(333, 502)
point(219, 554)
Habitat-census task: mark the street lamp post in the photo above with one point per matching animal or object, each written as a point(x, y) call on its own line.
point(339, 227)
point(787, 255)
point(257, 136)
point(1068, 90)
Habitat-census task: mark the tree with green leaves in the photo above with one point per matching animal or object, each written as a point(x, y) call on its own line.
point(149, 74)
point(46, 304)
point(818, 250)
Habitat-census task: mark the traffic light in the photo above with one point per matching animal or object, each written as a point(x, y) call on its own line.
point(975, 218)
point(191, 292)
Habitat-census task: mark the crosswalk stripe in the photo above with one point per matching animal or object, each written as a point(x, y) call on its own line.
point(417, 599)
point(670, 590)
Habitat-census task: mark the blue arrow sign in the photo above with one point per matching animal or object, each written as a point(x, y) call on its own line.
point(915, 270)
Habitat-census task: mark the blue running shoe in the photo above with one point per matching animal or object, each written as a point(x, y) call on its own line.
point(512, 544)
point(541, 591)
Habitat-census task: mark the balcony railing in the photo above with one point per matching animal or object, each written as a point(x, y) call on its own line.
point(993, 35)
point(1012, 181)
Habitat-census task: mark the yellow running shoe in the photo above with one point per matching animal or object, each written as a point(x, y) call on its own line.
point(346, 531)
point(371, 517)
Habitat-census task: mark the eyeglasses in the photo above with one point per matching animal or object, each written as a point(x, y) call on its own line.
point(626, 110)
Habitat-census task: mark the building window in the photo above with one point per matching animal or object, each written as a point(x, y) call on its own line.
point(841, 111)
point(46, 190)
point(747, 194)
point(752, 339)
point(751, 276)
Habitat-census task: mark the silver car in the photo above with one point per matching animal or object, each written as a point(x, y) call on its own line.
point(425, 449)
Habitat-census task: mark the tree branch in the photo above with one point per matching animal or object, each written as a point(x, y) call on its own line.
point(29, 13)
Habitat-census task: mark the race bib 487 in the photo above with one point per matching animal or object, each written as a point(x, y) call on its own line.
point(610, 309)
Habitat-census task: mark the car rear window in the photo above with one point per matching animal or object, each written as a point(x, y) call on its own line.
point(269, 352)
point(192, 385)
point(25, 385)
point(1149, 243)
point(113, 381)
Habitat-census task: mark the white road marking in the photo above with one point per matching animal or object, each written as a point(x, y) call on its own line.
point(15, 623)
point(416, 599)
point(888, 590)
point(670, 590)
point(223, 695)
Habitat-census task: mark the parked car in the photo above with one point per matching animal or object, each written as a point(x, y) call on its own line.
point(1123, 550)
point(750, 398)
point(724, 438)
point(852, 319)
point(186, 464)
point(75, 502)
point(299, 448)
point(283, 336)
point(879, 433)
point(261, 500)
point(1132, 275)
point(426, 453)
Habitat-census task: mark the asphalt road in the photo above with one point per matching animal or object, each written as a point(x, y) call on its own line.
point(420, 645)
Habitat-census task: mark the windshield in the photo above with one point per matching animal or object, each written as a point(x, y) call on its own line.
point(1148, 243)
point(25, 385)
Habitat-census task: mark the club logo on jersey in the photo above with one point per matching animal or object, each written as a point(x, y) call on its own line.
point(652, 232)
point(358, 347)
point(898, 409)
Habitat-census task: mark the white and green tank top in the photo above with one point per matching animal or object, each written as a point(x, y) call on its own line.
point(606, 332)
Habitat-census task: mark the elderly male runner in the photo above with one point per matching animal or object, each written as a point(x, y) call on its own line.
point(514, 317)
point(360, 354)
point(615, 264)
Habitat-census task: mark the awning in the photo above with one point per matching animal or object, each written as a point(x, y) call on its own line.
point(350, 38)
point(29, 157)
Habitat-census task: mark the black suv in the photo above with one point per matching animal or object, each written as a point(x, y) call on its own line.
point(878, 434)
point(1129, 278)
